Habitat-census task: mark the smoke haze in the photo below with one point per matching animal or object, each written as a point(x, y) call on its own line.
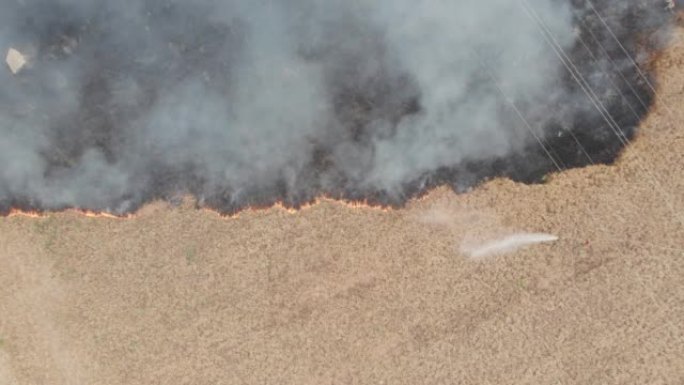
point(241, 102)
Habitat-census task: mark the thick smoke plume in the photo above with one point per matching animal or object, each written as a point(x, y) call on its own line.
point(248, 102)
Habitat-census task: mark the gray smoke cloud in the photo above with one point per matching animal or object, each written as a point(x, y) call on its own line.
point(243, 102)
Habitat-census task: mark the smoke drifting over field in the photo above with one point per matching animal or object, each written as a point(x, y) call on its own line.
point(243, 102)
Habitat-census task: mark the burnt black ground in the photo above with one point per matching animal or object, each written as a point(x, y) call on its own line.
point(592, 136)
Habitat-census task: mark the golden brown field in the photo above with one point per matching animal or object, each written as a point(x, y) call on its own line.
point(333, 294)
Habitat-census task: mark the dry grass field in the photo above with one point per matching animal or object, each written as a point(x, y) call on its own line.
point(340, 295)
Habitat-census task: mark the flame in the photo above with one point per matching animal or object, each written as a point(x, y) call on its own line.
point(102, 214)
point(280, 206)
point(86, 213)
point(29, 214)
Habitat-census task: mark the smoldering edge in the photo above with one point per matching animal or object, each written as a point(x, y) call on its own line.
point(244, 103)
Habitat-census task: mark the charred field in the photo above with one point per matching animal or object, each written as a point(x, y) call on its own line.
point(93, 149)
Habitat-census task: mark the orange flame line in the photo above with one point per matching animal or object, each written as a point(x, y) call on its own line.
point(277, 206)
point(306, 206)
point(87, 213)
point(355, 205)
